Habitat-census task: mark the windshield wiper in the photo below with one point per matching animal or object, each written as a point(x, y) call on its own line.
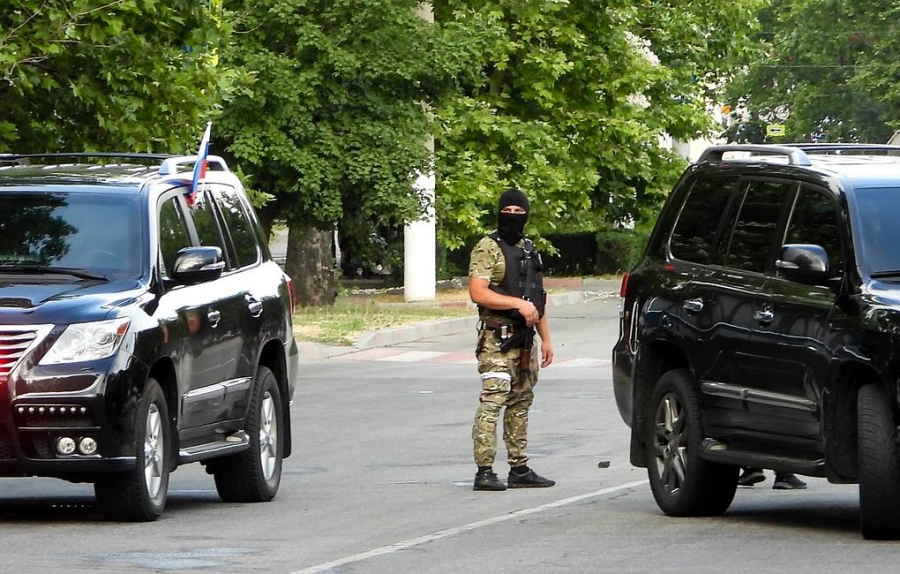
point(886, 274)
point(40, 269)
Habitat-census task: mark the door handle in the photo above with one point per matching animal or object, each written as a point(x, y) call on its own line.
point(693, 305)
point(764, 315)
point(213, 317)
point(255, 307)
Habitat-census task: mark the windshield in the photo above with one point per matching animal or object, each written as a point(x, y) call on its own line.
point(95, 233)
point(877, 231)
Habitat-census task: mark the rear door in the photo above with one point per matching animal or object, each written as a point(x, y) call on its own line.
point(251, 286)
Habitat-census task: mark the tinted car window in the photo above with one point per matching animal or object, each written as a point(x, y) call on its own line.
point(236, 220)
point(754, 230)
point(695, 232)
point(877, 230)
point(173, 234)
point(98, 233)
point(815, 220)
point(205, 221)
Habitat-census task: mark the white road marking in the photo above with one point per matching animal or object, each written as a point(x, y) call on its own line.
point(466, 528)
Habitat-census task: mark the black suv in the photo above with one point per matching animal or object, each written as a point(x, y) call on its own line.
point(142, 326)
point(762, 328)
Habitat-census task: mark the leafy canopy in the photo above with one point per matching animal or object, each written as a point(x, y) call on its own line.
point(570, 104)
point(830, 64)
point(333, 124)
point(101, 75)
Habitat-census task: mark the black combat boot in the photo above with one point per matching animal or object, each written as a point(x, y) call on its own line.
point(524, 477)
point(486, 479)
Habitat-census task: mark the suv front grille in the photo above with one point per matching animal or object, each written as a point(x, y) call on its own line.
point(15, 342)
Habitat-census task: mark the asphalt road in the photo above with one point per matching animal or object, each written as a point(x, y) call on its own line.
point(380, 482)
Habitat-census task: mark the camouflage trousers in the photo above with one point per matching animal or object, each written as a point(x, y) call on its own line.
point(504, 385)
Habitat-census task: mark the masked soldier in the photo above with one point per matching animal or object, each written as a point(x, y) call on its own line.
point(505, 281)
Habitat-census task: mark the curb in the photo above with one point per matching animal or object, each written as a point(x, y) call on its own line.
point(407, 333)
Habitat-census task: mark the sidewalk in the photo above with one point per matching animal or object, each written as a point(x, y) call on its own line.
point(575, 290)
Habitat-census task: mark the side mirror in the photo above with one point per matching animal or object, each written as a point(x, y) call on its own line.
point(198, 265)
point(803, 263)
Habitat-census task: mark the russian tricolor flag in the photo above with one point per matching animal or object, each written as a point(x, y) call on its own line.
point(201, 163)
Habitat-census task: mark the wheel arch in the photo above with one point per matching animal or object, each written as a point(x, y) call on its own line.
point(840, 413)
point(272, 356)
point(163, 371)
point(654, 359)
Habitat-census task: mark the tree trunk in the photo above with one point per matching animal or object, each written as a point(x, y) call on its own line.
point(310, 263)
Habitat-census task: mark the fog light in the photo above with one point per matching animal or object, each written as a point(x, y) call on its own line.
point(87, 445)
point(65, 445)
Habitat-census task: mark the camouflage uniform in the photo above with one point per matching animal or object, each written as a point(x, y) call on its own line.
point(504, 382)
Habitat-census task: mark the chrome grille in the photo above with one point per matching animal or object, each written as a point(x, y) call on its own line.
point(15, 342)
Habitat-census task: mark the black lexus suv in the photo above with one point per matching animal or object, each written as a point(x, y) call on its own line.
point(142, 327)
point(762, 328)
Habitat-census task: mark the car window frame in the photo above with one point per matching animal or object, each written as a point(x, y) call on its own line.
point(216, 192)
point(717, 236)
point(178, 196)
point(746, 182)
point(843, 232)
point(205, 191)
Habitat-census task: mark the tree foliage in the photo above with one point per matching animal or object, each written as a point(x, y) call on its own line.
point(108, 75)
point(572, 100)
point(332, 124)
point(830, 64)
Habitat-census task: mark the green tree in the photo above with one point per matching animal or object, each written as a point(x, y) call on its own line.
point(108, 75)
point(571, 104)
point(830, 64)
point(334, 122)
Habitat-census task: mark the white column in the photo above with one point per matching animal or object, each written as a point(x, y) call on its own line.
point(419, 244)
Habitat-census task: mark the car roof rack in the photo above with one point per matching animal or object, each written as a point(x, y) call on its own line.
point(27, 158)
point(795, 155)
point(172, 164)
point(839, 148)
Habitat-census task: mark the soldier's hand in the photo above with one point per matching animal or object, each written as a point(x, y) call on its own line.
point(529, 312)
point(546, 353)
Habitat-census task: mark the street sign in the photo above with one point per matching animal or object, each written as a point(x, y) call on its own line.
point(775, 130)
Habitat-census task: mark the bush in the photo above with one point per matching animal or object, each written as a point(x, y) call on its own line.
point(607, 252)
point(618, 250)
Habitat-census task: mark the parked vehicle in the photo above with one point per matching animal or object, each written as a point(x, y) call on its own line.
point(762, 328)
point(142, 327)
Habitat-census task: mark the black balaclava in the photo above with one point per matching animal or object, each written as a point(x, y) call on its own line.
point(511, 226)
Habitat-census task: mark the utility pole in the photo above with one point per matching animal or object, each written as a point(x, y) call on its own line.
point(419, 243)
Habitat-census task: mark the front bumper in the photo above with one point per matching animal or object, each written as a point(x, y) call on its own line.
point(41, 405)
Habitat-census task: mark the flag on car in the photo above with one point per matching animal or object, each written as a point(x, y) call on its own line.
point(201, 164)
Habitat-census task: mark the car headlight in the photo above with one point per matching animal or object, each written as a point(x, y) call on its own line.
point(87, 342)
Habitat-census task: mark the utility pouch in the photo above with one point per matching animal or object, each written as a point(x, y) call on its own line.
point(514, 342)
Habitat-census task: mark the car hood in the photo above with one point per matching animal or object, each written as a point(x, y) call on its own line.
point(885, 293)
point(68, 301)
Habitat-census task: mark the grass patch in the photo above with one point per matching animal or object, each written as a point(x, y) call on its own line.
point(343, 323)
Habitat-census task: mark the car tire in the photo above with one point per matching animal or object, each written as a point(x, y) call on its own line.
point(255, 474)
point(139, 495)
point(683, 484)
point(879, 466)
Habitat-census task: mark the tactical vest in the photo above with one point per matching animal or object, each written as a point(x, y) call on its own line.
point(518, 280)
